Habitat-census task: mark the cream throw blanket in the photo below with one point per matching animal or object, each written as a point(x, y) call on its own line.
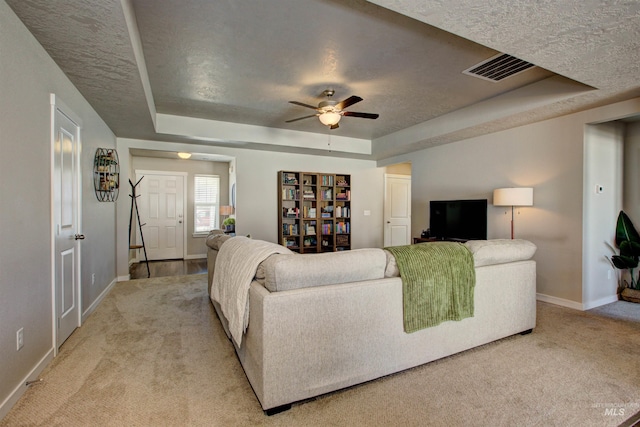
point(235, 268)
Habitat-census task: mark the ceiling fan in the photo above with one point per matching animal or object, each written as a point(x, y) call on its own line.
point(330, 112)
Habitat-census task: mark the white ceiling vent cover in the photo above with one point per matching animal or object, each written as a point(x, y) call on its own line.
point(498, 68)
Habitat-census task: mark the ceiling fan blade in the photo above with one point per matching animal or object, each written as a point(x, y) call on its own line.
point(300, 118)
point(362, 115)
point(348, 102)
point(303, 105)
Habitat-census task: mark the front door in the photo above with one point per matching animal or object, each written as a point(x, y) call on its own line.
point(161, 205)
point(66, 215)
point(397, 210)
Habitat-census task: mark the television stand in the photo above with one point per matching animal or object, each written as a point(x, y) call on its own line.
point(437, 239)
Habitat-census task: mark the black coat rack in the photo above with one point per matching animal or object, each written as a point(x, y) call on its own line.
point(134, 205)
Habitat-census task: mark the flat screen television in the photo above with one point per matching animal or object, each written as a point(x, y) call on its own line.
point(458, 219)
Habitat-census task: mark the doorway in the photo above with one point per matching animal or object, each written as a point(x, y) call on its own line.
point(397, 209)
point(161, 203)
point(66, 218)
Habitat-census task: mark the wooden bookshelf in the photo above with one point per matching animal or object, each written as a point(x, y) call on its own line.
point(314, 211)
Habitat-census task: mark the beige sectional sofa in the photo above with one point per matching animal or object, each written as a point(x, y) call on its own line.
point(323, 322)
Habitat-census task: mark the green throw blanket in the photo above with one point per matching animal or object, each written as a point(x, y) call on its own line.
point(437, 283)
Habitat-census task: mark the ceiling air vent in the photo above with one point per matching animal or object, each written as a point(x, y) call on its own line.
point(498, 68)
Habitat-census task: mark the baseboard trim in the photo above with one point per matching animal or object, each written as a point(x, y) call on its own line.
point(559, 301)
point(124, 278)
point(599, 302)
point(196, 256)
point(576, 305)
point(98, 300)
point(21, 388)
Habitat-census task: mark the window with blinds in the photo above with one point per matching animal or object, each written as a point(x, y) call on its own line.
point(206, 201)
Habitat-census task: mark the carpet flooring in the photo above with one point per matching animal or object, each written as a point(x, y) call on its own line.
point(154, 354)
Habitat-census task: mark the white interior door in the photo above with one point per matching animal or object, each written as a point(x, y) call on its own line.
point(161, 207)
point(397, 210)
point(66, 218)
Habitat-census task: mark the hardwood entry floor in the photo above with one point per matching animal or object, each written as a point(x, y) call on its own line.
point(171, 267)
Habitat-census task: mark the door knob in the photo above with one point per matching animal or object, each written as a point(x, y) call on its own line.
point(388, 222)
point(79, 237)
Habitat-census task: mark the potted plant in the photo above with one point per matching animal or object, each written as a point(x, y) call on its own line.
point(628, 243)
point(229, 224)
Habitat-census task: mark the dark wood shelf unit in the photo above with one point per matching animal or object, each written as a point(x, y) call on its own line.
point(314, 211)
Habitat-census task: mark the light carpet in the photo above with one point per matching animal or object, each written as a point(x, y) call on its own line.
point(154, 354)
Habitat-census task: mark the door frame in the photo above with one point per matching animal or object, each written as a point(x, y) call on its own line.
point(386, 201)
point(58, 105)
point(139, 172)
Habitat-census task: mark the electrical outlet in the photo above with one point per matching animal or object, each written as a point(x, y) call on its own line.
point(19, 339)
point(93, 278)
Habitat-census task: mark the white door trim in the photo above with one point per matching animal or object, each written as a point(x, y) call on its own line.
point(57, 104)
point(139, 172)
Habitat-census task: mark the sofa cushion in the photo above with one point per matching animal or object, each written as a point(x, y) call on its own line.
point(286, 272)
point(214, 241)
point(500, 251)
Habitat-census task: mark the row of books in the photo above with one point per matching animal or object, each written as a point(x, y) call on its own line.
point(308, 195)
point(343, 212)
point(308, 212)
point(343, 227)
point(290, 229)
point(290, 243)
point(344, 195)
point(290, 194)
point(310, 228)
point(327, 179)
point(326, 194)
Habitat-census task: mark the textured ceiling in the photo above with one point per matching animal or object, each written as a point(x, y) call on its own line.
point(241, 61)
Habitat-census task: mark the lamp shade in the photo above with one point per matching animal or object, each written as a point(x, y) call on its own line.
point(226, 210)
point(522, 196)
point(329, 118)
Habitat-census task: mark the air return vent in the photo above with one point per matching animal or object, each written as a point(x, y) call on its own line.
point(498, 67)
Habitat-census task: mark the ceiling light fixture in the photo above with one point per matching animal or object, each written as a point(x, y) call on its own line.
point(184, 155)
point(330, 117)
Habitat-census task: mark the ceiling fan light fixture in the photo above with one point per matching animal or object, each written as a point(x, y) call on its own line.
point(330, 118)
point(184, 155)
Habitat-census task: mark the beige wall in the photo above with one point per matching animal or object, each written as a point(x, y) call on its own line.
point(256, 191)
point(28, 77)
point(195, 245)
point(548, 156)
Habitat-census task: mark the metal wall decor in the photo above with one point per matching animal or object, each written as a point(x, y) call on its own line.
point(106, 174)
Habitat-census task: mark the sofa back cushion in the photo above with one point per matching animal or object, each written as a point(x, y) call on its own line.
point(500, 251)
point(215, 240)
point(286, 272)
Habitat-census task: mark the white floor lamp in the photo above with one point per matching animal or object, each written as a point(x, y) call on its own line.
point(522, 196)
